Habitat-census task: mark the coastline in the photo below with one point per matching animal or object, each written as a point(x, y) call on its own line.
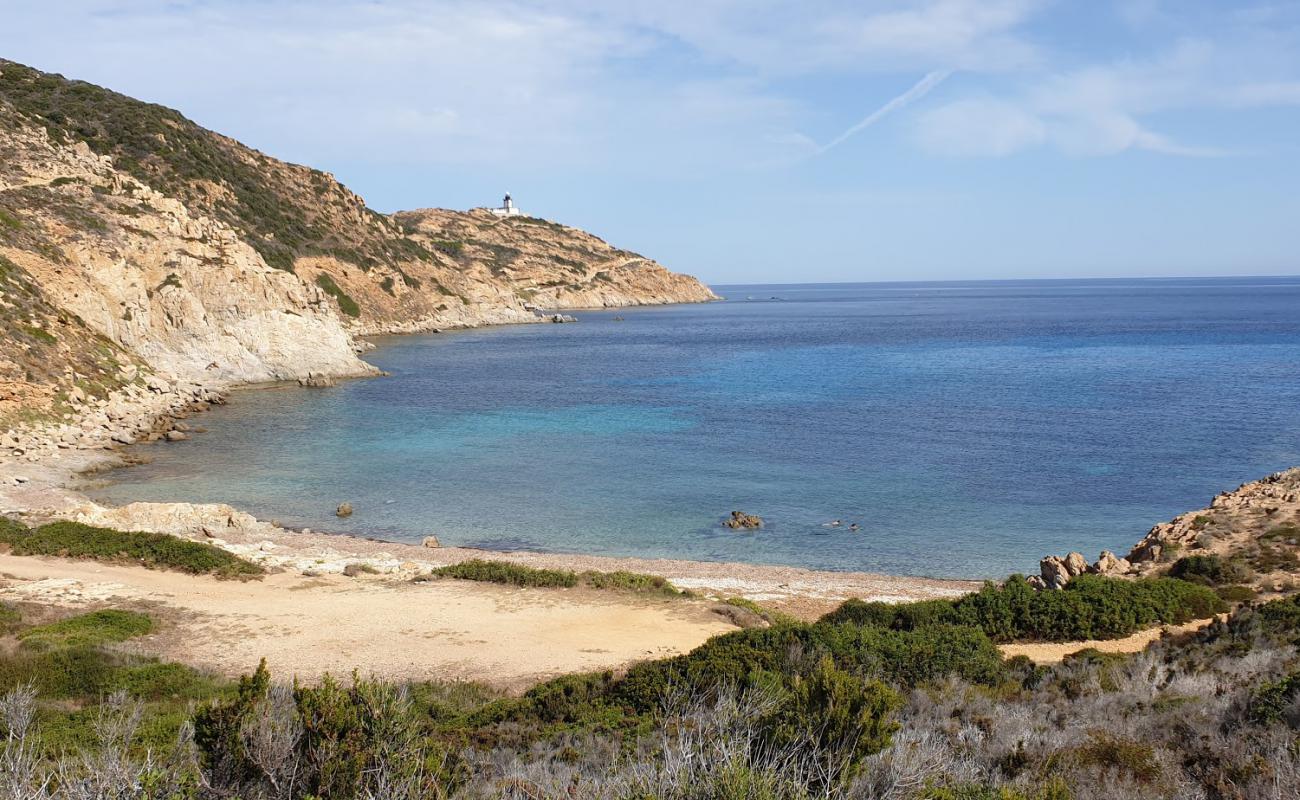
point(43, 472)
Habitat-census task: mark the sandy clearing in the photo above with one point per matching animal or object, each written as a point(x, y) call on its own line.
point(1055, 652)
point(307, 627)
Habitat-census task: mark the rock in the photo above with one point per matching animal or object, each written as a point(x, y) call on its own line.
point(430, 541)
point(408, 566)
point(1036, 582)
point(314, 380)
point(157, 385)
point(739, 520)
point(344, 510)
point(1109, 564)
point(1076, 564)
point(1054, 572)
point(176, 436)
point(358, 568)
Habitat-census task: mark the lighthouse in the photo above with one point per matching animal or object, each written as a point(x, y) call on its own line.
point(507, 209)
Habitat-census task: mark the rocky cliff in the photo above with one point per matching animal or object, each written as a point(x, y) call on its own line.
point(134, 241)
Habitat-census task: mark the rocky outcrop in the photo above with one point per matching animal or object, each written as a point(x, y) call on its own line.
point(1257, 524)
point(739, 520)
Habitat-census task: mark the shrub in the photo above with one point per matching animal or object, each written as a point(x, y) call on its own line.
point(505, 572)
point(1210, 570)
point(95, 628)
point(630, 582)
point(152, 550)
point(346, 304)
point(1236, 594)
point(772, 616)
point(1090, 607)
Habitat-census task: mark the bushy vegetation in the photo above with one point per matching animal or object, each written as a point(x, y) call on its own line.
point(282, 211)
point(346, 304)
point(152, 550)
point(505, 572)
point(823, 713)
point(862, 705)
point(85, 630)
point(1090, 607)
point(1211, 570)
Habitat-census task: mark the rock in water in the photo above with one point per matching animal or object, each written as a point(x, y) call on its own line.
point(739, 520)
point(430, 541)
point(344, 510)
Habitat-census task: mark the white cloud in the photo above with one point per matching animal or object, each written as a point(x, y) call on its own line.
point(979, 127)
point(1100, 109)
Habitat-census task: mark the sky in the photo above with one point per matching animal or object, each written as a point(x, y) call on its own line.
point(749, 141)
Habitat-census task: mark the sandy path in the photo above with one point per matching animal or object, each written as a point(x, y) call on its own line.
point(304, 626)
point(1055, 652)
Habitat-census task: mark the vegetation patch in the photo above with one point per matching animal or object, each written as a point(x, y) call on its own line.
point(95, 628)
point(346, 304)
point(1089, 607)
point(512, 574)
point(152, 550)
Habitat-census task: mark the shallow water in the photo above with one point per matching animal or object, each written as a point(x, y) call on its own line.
point(969, 428)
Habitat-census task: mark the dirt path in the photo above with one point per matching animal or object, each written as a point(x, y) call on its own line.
point(303, 626)
point(1055, 652)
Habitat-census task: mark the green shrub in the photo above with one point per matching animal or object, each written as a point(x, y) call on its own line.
point(152, 550)
point(1089, 607)
point(1236, 594)
point(10, 618)
point(1135, 758)
point(630, 582)
point(1210, 570)
point(1271, 701)
point(505, 572)
point(772, 616)
point(85, 630)
point(346, 304)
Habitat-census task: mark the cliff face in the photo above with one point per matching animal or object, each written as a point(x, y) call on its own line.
point(132, 239)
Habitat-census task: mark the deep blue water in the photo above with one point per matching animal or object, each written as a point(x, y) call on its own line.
point(969, 428)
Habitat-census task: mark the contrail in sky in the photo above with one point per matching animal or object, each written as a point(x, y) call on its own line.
point(919, 90)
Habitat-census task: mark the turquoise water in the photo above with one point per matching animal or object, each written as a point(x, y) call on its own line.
point(968, 428)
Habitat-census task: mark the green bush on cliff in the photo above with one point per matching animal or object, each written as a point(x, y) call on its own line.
point(346, 304)
point(1090, 607)
point(152, 550)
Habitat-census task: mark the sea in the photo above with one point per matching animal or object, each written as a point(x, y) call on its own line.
point(965, 429)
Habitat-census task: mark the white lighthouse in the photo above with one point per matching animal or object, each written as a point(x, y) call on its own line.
point(507, 209)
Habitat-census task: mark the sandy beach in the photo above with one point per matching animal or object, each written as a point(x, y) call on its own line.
point(308, 619)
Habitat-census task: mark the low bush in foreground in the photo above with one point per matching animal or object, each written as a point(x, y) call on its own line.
point(512, 574)
point(152, 550)
point(95, 628)
point(1090, 607)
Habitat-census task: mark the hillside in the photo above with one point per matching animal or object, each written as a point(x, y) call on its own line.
point(130, 234)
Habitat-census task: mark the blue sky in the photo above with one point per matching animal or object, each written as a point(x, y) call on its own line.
point(760, 141)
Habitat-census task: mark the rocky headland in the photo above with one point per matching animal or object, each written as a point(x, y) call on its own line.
point(146, 263)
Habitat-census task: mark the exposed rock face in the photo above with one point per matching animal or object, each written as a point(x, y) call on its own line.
point(135, 244)
point(1257, 525)
point(1260, 518)
point(739, 520)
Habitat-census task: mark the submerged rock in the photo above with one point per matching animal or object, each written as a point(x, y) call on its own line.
point(739, 520)
point(344, 510)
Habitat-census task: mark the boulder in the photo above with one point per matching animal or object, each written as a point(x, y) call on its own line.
point(1054, 572)
point(1109, 564)
point(430, 541)
point(344, 510)
point(739, 520)
point(176, 436)
point(1076, 564)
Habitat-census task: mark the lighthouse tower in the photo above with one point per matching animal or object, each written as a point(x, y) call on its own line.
point(507, 209)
